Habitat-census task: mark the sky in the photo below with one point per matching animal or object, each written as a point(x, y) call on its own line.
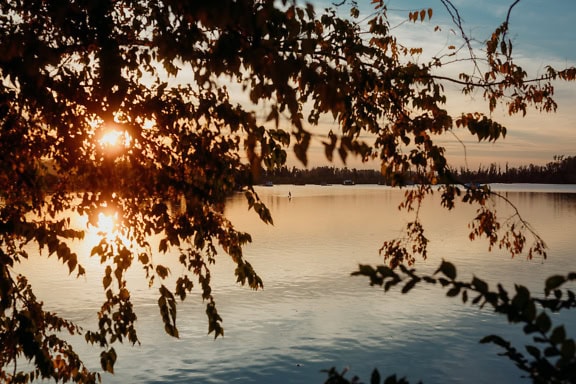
point(543, 32)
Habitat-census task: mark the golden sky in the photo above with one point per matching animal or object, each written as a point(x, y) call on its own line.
point(543, 33)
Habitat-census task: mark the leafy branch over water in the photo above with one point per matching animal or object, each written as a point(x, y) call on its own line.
point(134, 107)
point(551, 359)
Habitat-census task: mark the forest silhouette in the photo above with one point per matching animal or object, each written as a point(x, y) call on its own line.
point(560, 171)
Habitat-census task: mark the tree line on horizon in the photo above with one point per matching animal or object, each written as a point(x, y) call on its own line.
point(562, 170)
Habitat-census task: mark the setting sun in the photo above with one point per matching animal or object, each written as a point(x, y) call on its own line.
point(107, 223)
point(111, 138)
point(114, 138)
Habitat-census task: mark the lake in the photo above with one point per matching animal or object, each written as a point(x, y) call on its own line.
point(312, 315)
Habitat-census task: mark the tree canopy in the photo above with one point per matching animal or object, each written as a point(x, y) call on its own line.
point(158, 110)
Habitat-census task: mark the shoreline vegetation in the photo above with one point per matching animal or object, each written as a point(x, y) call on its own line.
point(560, 171)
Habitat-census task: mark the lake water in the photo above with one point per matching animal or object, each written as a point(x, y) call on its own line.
point(312, 314)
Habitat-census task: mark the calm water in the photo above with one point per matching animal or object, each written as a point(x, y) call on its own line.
point(312, 314)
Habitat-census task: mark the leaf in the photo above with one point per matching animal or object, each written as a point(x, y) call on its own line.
point(448, 269)
point(124, 294)
point(214, 319)
point(107, 360)
point(143, 258)
point(522, 297)
point(308, 46)
point(167, 305)
point(163, 246)
point(409, 285)
point(495, 339)
point(543, 322)
point(533, 351)
point(96, 250)
point(553, 282)
point(106, 281)
point(551, 352)
point(558, 335)
point(443, 282)
point(454, 291)
point(274, 116)
point(464, 297)
point(530, 328)
point(375, 377)
point(480, 285)
point(301, 148)
point(162, 271)
point(72, 262)
point(568, 349)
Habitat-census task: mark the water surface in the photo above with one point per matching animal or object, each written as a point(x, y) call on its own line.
point(312, 314)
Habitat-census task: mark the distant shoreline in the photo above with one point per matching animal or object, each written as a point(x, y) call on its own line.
point(561, 171)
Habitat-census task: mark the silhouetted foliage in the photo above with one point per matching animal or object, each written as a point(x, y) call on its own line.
point(560, 171)
point(552, 357)
point(132, 107)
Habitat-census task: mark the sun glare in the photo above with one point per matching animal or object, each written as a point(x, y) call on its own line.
point(111, 138)
point(107, 223)
point(114, 138)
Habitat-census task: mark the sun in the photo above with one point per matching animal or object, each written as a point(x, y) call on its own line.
point(107, 224)
point(111, 138)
